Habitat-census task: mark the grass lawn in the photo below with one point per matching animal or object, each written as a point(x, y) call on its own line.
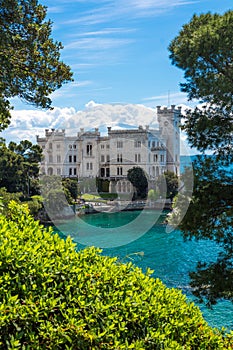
point(90, 197)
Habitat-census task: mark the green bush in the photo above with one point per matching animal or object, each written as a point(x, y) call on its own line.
point(6, 198)
point(52, 297)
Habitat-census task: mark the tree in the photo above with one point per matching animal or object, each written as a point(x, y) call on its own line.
point(203, 50)
point(57, 195)
point(29, 58)
point(19, 166)
point(138, 179)
point(55, 297)
point(6, 198)
point(152, 195)
point(72, 186)
point(168, 184)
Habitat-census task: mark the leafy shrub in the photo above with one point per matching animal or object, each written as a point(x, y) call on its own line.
point(52, 297)
point(35, 205)
point(7, 197)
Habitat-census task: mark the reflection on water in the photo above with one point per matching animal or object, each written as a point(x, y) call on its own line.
point(166, 253)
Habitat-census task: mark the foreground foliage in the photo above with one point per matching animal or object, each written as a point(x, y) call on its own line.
point(203, 50)
point(53, 297)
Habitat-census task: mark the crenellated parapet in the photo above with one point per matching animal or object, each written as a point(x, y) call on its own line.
point(167, 110)
point(54, 132)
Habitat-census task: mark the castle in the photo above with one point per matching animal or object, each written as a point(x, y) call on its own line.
point(89, 155)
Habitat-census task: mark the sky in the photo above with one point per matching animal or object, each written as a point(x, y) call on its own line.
point(118, 52)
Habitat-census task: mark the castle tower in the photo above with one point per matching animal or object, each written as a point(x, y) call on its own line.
point(169, 121)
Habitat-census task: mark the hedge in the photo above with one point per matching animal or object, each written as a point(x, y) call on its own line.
point(53, 297)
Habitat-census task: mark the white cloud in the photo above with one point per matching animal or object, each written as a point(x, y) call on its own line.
point(97, 43)
point(177, 98)
point(119, 9)
point(104, 115)
point(55, 9)
point(69, 89)
point(26, 124)
point(105, 31)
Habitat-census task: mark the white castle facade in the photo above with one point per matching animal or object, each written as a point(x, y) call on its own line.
point(88, 154)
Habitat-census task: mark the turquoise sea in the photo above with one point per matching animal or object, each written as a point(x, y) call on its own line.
point(143, 238)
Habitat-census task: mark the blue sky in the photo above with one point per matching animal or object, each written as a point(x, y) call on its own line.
point(117, 49)
point(118, 52)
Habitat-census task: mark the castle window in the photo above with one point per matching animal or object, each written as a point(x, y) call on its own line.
point(70, 159)
point(119, 144)
point(70, 171)
point(58, 171)
point(75, 171)
point(102, 158)
point(50, 171)
point(75, 159)
point(58, 159)
point(102, 146)
point(89, 149)
point(119, 171)
point(119, 158)
point(138, 158)
point(137, 144)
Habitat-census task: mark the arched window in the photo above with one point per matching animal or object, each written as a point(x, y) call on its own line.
point(50, 171)
point(153, 171)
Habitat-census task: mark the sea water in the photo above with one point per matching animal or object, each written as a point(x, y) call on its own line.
point(128, 236)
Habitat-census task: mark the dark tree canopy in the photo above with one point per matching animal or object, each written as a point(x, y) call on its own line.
point(29, 58)
point(203, 49)
point(138, 179)
point(168, 184)
point(19, 166)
